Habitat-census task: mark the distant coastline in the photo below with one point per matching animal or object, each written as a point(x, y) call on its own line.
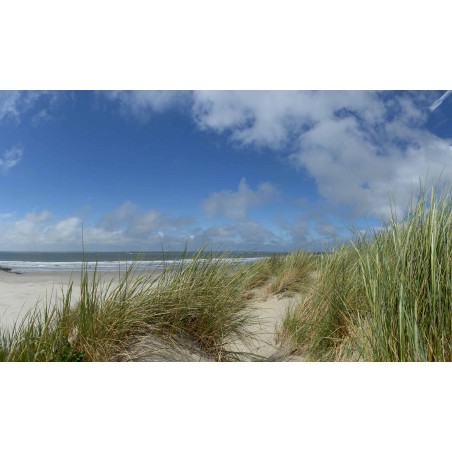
point(31, 262)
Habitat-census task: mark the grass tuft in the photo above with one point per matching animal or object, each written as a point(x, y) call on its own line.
point(282, 273)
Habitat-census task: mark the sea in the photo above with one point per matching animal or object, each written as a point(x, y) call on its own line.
point(31, 262)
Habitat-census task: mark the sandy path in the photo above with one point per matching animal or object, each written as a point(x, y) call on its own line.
point(269, 311)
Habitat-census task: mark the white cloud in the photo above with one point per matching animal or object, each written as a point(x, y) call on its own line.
point(128, 217)
point(68, 230)
point(271, 118)
point(13, 104)
point(38, 230)
point(235, 204)
point(9, 104)
point(141, 104)
point(26, 230)
point(244, 235)
point(122, 214)
point(439, 101)
point(128, 227)
point(10, 158)
point(40, 117)
point(361, 147)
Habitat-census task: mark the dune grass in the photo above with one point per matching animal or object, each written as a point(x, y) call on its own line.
point(200, 299)
point(385, 299)
point(283, 273)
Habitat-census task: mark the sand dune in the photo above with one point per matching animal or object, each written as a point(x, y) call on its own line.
point(20, 293)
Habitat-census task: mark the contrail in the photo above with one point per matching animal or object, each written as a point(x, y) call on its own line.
point(439, 101)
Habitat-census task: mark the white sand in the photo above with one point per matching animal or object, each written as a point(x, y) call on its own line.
point(20, 293)
point(269, 311)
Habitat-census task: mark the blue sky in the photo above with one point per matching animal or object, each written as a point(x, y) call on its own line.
point(238, 170)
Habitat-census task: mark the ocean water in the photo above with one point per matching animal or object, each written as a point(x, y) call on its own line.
point(28, 262)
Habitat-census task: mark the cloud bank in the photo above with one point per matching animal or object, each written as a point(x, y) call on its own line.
point(127, 227)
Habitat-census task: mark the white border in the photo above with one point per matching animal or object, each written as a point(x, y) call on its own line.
point(225, 45)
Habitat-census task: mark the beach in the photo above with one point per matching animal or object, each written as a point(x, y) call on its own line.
point(21, 292)
point(28, 279)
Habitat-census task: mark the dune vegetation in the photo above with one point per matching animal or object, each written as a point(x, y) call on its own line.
point(386, 297)
point(382, 297)
point(200, 304)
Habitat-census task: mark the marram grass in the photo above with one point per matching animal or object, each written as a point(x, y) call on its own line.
point(283, 273)
point(387, 299)
point(201, 300)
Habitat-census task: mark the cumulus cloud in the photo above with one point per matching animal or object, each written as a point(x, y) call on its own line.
point(271, 118)
point(361, 147)
point(10, 158)
point(26, 230)
point(125, 226)
point(67, 230)
point(235, 204)
point(129, 228)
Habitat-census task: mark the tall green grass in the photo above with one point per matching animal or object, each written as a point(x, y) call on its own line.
point(283, 273)
point(202, 299)
point(321, 324)
point(387, 299)
point(407, 276)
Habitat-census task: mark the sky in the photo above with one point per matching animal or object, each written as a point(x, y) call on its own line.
point(236, 170)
